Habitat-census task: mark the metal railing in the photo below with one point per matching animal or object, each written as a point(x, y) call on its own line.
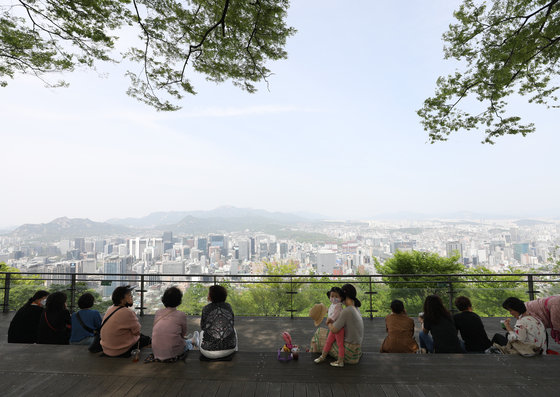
point(413, 287)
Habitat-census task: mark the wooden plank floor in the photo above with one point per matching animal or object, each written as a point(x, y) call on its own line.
point(29, 370)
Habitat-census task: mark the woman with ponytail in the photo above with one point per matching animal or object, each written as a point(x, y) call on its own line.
point(24, 325)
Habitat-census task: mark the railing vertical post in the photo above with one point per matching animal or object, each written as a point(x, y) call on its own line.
point(72, 291)
point(370, 299)
point(142, 295)
point(291, 297)
point(7, 292)
point(530, 283)
point(214, 280)
point(450, 292)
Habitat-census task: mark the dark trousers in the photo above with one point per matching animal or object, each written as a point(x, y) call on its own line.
point(142, 342)
point(500, 339)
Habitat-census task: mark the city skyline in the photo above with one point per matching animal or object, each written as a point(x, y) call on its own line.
point(335, 135)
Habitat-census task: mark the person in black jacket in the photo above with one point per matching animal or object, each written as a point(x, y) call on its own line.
point(24, 325)
point(438, 322)
point(470, 326)
point(55, 323)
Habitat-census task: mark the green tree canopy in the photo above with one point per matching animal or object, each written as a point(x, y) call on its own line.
point(505, 47)
point(223, 40)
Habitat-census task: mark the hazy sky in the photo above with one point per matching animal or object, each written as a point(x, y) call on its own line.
point(337, 134)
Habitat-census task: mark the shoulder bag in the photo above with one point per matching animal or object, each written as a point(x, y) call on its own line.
point(95, 346)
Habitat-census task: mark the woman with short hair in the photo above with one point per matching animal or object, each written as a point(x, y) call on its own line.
point(120, 333)
point(218, 336)
point(25, 323)
point(170, 328)
point(400, 331)
point(85, 321)
point(55, 323)
point(526, 337)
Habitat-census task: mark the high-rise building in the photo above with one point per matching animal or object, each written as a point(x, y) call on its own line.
point(218, 241)
point(519, 250)
point(326, 261)
point(80, 244)
point(202, 244)
point(453, 248)
point(167, 237)
point(244, 247)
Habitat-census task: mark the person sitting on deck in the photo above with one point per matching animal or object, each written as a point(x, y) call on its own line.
point(351, 320)
point(527, 337)
point(55, 323)
point(218, 336)
point(85, 321)
point(469, 324)
point(439, 322)
point(400, 331)
point(334, 295)
point(548, 311)
point(25, 323)
point(170, 328)
point(120, 334)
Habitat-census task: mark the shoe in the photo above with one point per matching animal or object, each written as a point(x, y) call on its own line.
point(196, 339)
point(319, 359)
point(337, 364)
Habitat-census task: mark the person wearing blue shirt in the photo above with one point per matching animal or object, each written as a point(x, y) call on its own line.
point(91, 319)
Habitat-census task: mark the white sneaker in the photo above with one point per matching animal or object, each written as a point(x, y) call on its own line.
point(319, 359)
point(337, 364)
point(196, 339)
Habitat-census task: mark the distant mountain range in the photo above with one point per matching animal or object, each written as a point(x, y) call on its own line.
point(158, 219)
point(223, 219)
point(62, 228)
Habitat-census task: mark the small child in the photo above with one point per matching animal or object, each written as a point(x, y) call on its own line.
point(335, 296)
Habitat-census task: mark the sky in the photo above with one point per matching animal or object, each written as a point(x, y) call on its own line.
point(336, 134)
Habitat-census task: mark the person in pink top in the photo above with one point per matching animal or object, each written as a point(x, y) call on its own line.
point(170, 328)
point(548, 311)
point(120, 333)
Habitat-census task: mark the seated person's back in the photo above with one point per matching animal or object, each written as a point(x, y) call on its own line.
point(400, 331)
point(55, 323)
point(470, 326)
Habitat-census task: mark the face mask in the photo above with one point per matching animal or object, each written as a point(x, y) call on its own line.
point(334, 301)
point(43, 302)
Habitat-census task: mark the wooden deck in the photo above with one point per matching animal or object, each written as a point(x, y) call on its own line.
point(70, 370)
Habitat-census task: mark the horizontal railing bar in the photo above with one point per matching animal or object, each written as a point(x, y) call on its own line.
point(296, 275)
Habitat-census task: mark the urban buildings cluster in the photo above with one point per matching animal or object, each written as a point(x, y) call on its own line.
point(347, 248)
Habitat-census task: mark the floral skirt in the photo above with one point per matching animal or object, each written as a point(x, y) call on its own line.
point(352, 354)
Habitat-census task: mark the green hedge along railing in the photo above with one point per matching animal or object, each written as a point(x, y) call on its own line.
point(277, 295)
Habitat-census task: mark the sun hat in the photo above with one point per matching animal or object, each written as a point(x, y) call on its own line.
point(317, 313)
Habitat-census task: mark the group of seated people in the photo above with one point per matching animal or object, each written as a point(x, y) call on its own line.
point(440, 329)
point(45, 319)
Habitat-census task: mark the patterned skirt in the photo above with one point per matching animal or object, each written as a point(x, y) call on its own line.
point(352, 354)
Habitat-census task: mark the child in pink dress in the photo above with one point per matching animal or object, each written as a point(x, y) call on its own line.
point(335, 296)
